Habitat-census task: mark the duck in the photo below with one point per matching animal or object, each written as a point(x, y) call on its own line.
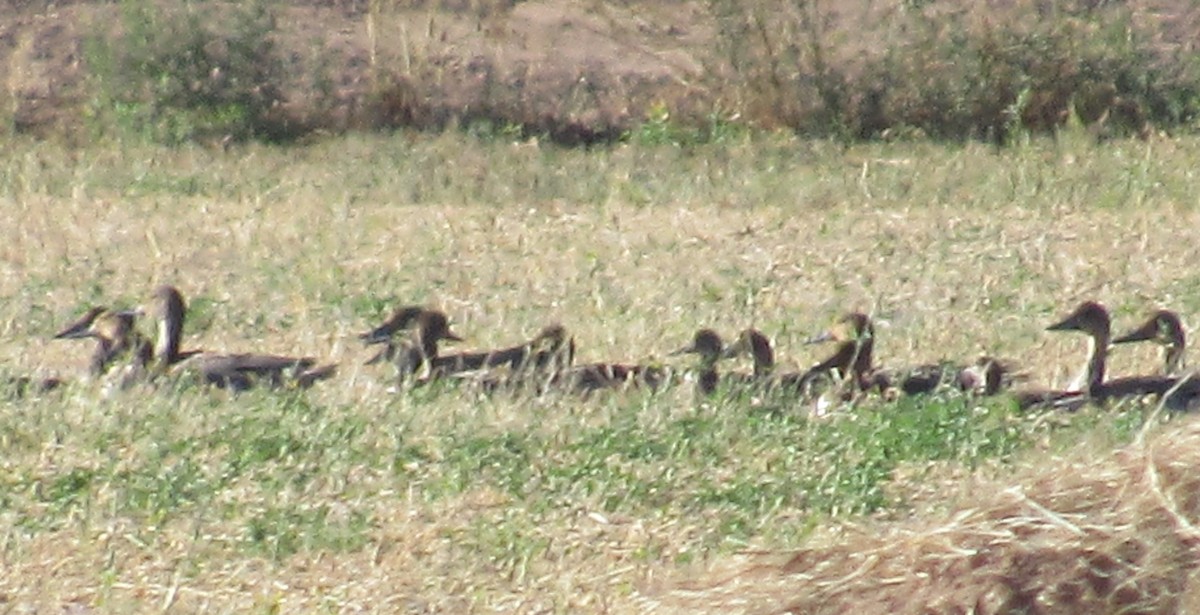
point(534, 365)
point(117, 339)
point(852, 359)
point(237, 372)
point(540, 351)
point(855, 335)
point(708, 345)
point(429, 328)
point(1093, 319)
point(553, 349)
point(402, 319)
point(591, 377)
point(1165, 328)
point(988, 376)
point(759, 347)
point(600, 376)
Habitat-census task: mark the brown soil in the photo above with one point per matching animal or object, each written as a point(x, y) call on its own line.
point(586, 70)
point(570, 66)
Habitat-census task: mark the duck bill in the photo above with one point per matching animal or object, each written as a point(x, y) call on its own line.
point(826, 336)
point(451, 336)
point(1070, 323)
point(79, 329)
point(1145, 332)
point(375, 336)
point(689, 349)
point(74, 332)
point(734, 350)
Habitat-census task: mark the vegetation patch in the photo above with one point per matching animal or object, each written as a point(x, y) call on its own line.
point(181, 72)
point(357, 496)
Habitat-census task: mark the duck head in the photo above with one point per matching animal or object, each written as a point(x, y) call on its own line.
point(102, 324)
point(550, 339)
point(986, 376)
point(115, 333)
point(706, 343)
point(114, 326)
point(855, 337)
point(552, 347)
point(402, 319)
point(433, 326)
point(759, 347)
point(1091, 318)
point(81, 327)
point(1165, 329)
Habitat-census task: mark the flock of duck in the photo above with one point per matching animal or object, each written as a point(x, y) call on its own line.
point(410, 341)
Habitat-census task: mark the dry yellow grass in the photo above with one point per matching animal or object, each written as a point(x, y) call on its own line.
point(1109, 533)
point(955, 249)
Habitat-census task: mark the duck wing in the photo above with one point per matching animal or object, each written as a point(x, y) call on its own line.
point(1043, 399)
point(240, 372)
point(514, 357)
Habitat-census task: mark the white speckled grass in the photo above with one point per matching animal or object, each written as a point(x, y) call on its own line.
point(353, 498)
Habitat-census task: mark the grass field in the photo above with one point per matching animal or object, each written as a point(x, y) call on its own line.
point(352, 498)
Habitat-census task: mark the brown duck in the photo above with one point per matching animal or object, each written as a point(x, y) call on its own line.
point(531, 366)
point(852, 358)
point(1093, 319)
point(233, 371)
point(759, 347)
point(542, 351)
point(709, 347)
point(855, 336)
point(1090, 318)
point(429, 328)
point(599, 376)
point(402, 319)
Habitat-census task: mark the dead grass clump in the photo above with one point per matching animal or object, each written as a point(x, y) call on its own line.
point(1116, 536)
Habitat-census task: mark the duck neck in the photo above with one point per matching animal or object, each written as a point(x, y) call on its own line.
point(764, 357)
point(1173, 359)
point(102, 357)
point(852, 360)
point(1093, 374)
point(862, 365)
point(428, 346)
point(408, 359)
point(707, 380)
point(170, 331)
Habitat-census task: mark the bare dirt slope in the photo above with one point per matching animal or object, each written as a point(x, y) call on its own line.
point(587, 70)
point(594, 65)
